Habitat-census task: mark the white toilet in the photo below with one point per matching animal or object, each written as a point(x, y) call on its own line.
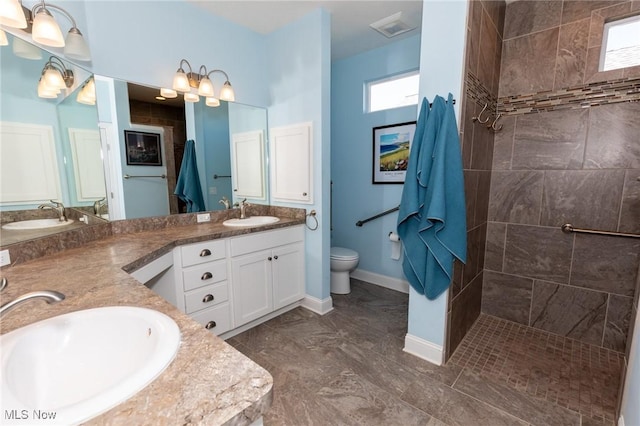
point(343, 261)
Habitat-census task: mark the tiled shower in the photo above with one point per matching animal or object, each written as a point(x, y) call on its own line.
point(568, 152)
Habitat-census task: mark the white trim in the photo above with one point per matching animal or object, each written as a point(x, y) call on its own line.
point(423, 349)
point(621, 420)
point(258, 321)
point(316, 305)
point(381, 280)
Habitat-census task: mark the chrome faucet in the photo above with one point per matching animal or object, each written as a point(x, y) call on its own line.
point(54, 205)
point(98, 205)
point(49, 296)
point(226, 202)
point(243, 208)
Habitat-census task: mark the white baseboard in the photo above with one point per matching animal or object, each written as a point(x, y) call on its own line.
point(316, 305)
point(621, 421)
point(381, 280)
point(424, 349)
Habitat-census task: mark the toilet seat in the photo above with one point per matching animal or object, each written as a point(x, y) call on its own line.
point(341, 253)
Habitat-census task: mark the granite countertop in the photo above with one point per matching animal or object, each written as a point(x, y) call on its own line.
point(209, 382)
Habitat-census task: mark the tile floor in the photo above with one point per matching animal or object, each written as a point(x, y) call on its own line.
point(348, 368)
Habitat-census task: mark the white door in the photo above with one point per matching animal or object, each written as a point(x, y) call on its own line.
point(291, 163)
point(87, 164)
point(247, 169)
point(288, 274)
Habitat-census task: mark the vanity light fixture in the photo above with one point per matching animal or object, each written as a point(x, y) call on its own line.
point(212, 102)
point(184, 81)
point(55, 77)
point(26, 50)
point(168, 93)
point(3, 38)
point(44, 29)
point(87, 95)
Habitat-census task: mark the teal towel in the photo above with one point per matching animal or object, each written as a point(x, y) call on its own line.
point(441, 229)
point(188, 187)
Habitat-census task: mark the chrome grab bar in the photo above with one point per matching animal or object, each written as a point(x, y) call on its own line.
point(145, 176)
point(568, 228)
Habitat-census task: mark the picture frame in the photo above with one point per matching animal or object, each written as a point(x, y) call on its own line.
point(391, 147)
point(142, 148)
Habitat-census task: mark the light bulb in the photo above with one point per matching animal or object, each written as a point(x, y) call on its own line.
point(206, 87)
point(46, 30)
point(227, 93)
point(181, 82)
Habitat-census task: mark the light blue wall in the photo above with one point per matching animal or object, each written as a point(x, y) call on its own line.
point(441, 68)
point(299, 69)
point(354, 196)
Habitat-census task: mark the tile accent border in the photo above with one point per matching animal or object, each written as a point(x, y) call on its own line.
point(575, 97)
point(316, 305)
point(479, 93)
point(423, 349)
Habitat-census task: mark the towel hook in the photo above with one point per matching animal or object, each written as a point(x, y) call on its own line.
point(492, 126)
point(478, 118)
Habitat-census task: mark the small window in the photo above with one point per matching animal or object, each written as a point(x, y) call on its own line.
point(620, 44)
point(393, 92)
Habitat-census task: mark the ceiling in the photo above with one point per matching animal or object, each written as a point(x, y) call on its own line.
point(350, 19)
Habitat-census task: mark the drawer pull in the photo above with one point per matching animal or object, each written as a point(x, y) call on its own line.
point(206, 276)
point(205, 253)
point(269, 258)
point(275, 257)
point(210, 325)
point(207, 298)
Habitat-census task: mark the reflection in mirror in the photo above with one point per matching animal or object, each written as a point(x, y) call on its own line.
point(215, 129)
point(50, 146)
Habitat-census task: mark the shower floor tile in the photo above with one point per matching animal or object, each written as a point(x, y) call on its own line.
point(575, 375)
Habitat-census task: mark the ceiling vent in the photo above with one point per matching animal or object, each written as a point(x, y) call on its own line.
point(392, 26)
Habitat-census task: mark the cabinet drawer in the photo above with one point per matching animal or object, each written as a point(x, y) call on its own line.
point(205, 274)
point(205, 297)
point(266, 240)
point(195, 254)
point(216, 319)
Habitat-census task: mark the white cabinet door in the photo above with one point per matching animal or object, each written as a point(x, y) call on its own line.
point(291, 163)
point(252, 286)
point(288, 274)
point(248, 165)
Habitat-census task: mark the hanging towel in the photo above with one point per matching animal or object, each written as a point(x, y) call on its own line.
point(441, 228)
point(188, 187)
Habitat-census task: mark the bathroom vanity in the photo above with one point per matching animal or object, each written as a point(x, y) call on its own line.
point(222, 279)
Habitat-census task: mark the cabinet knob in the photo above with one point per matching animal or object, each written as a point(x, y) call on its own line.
point(210, 325)
point(269, 258)
point(206, 276)
point(235, 190)
point(205, 253)
point(304, 194)
point(208, 298)
point(275, 257)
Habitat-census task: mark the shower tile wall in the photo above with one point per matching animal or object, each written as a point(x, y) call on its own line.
point(577, 166)
point(484, 40)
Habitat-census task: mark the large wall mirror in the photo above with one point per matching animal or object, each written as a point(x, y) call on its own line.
point(49, 142)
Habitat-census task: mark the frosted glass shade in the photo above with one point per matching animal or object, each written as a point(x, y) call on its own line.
point(76, 46)
point(25, 50)
point(11, 14)
point(227, 93)
point(168, 93)
point(191, 97)
point(46, 30)
point(84, 97)
point(212, 102)
point(3, 38)
point(46, 92)
point(206, 87)
point(181, 82)
point(53, 79)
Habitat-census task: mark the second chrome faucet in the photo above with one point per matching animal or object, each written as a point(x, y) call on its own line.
point(58, 207)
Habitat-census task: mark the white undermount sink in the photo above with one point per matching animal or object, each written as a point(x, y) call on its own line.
point(79, 365)
point(36, 224)
point(251, 221)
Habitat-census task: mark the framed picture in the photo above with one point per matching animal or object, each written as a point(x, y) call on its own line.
point(143, 149)
point(391, 146)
